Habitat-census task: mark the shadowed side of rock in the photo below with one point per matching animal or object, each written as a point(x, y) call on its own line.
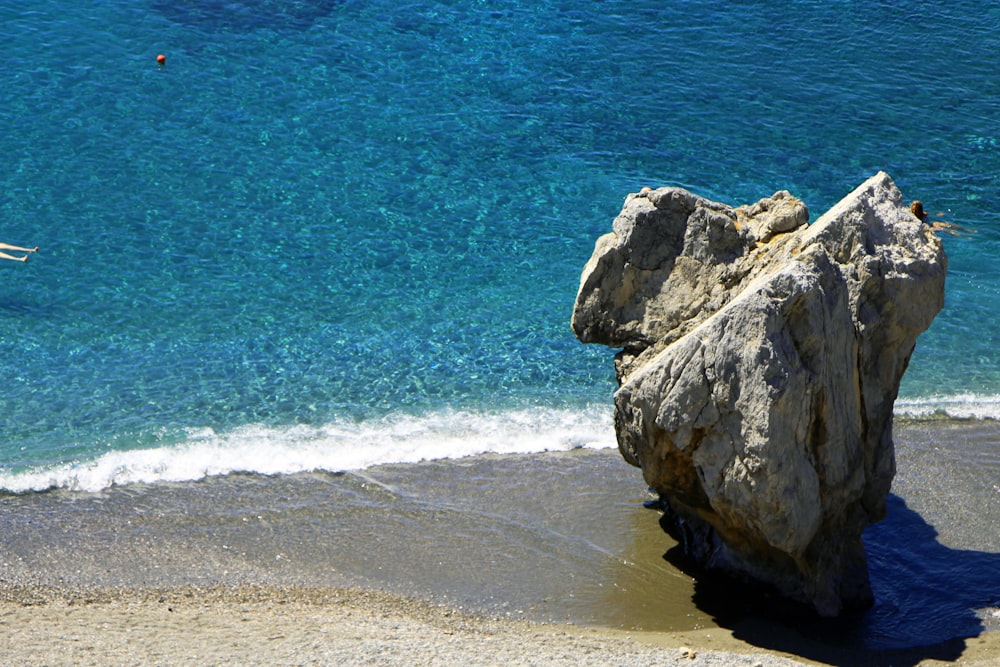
point(760, 360)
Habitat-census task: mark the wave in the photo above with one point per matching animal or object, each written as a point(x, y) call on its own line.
point(340, 446)
point(956, 406)
point(345, 445)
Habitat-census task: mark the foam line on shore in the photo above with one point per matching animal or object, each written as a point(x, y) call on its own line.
point(335, 447)
point(956, 406)
point(346, 445)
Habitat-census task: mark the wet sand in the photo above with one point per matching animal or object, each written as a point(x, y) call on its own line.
point(543, 559)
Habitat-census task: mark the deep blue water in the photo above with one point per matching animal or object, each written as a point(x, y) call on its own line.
point(325, 226)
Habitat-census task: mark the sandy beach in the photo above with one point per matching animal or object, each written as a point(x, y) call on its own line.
point(289, 626)
point(496, 560)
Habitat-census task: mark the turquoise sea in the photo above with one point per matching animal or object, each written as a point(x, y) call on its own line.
point(324, 236)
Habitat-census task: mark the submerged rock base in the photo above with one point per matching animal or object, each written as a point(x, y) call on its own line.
point(761, 357)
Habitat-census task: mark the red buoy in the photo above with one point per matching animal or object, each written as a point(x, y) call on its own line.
point(162, 59)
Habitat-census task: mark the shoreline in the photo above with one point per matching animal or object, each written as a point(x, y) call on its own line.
point(547, 555)
point(283, 625)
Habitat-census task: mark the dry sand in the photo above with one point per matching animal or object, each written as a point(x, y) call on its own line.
point(290, 626)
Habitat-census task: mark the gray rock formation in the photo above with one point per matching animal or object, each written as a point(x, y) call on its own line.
point(761, 357)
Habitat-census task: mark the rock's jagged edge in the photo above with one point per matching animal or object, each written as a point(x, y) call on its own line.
point(761, 357)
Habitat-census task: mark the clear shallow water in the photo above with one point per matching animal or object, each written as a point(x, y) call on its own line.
point(321, 213)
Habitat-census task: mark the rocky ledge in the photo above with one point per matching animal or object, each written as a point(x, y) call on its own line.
point(760, 360)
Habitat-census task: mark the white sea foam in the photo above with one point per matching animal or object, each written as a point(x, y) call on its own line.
point(401, 438)
point(336, 447)
point(957, 406)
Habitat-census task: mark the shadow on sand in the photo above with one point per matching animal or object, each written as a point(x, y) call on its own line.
point(926, 601)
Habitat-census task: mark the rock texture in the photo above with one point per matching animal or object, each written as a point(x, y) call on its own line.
point(761, 357)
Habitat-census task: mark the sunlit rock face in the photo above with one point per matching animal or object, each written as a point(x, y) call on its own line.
point(760, 360)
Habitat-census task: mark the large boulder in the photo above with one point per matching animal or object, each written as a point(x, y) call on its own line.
point(760, 360)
